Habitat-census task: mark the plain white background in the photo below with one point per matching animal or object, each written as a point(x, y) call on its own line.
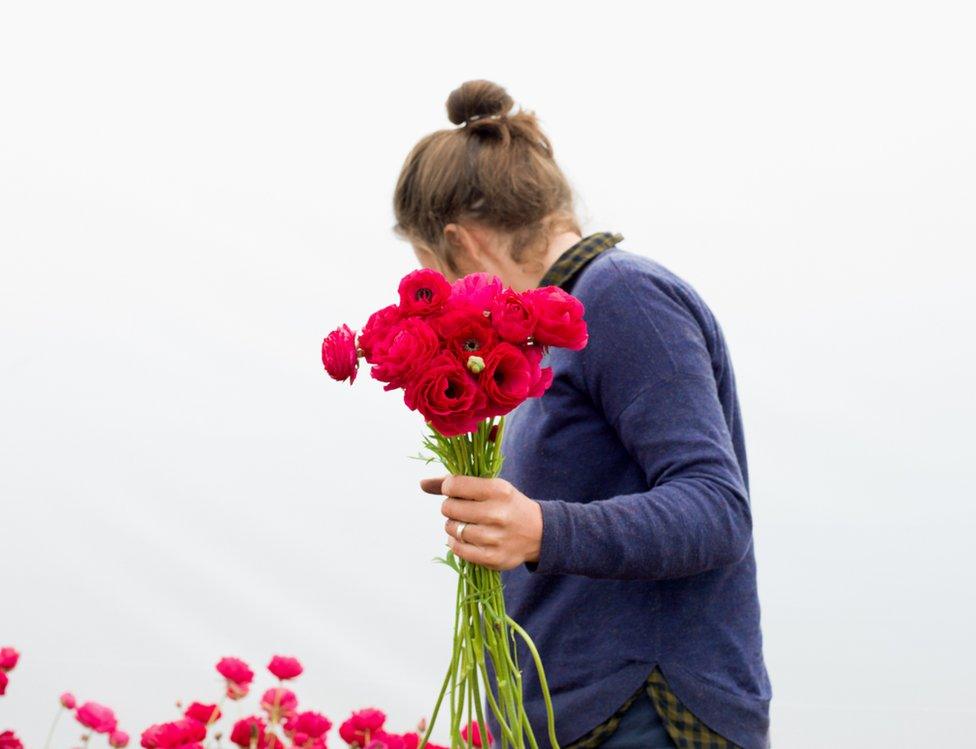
point(192, 194)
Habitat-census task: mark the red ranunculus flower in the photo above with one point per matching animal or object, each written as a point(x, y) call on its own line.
point(285, 667)
point(8, 658)
point(423, 292)
point(9, 740)
point(4, 680)
point(247, 731)
point(279, 703)
point(118, 739)
point(447, 396)
point(384, 740)
point(476, 290)
point(97, 717)
point(202, 713)
point(235, 670)
point(307, 730)
point(377, 328)
point(362, 725)
point(68, 701)
point(506, 379)
point(559, 318)
point(513, 317)
point(339, 355)
point(476, 735)
point(403, 354)
point(466, 332)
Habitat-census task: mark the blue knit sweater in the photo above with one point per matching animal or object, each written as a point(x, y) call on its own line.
point(637, 458)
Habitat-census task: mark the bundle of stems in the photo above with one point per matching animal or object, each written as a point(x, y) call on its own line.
point(484, 659)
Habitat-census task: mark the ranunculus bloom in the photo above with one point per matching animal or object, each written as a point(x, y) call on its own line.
point(447, 396)
point(506, 378)
point(377, 328)
point(476, 290)
point(8, 658)
point(235, 670)
point(362, 725)
point(423, 292)
point(202, 713)
point(476, 737)
point(68, 701)
point(9, 740)
point(513, 317)
point(250, 731)
point(466, 332)
point(559, 318)
point(179, 734)
point(236, 691)
point(307, 730)
point(409, 345)
point(285, 667)
point(279, 703)
point(97, 717)
point(384, 740)
point(541, 376)
point(118, 739)
point(339, 355)
point(4, 680)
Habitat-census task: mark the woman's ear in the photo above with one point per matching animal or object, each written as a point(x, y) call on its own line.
point(465, 247)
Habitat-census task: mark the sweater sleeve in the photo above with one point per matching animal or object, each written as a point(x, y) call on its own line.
point(648, 370)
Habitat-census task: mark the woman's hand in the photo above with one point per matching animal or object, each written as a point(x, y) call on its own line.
point(503, 527)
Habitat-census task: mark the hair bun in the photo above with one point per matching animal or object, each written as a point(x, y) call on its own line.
point(477, 99)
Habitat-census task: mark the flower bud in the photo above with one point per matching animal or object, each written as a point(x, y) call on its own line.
point(475, 364)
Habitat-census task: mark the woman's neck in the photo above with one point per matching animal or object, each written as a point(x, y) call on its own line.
point(529, 275)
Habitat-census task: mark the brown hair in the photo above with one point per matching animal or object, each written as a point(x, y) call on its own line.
point(496, 169)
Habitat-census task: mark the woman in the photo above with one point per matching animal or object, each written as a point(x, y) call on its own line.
point(622, 517)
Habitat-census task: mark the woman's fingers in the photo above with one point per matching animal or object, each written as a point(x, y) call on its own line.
point(475, 554)
point(466, 511)
point(473, 534)
point(433, 485)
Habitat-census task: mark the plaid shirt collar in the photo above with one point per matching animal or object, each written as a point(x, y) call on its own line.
point(571, 262)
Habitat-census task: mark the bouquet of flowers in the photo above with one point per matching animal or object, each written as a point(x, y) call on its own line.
point(466, 354)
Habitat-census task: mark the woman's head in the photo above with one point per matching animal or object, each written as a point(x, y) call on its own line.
point(485, 192)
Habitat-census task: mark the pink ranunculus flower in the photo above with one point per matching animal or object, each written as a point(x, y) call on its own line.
point(559, 318)
point(477, 290)
point(97, 717)
point(279, 703)
point(249, 732)
point(285, 667)
point(118, 739)
point(67, 701)
point(477, 739)
point(362, 725)
point(237, 691)
point(8, 658)
point(9, 740)
point(339, 355)
point(4, 680)
point(178, 734)
point(423, 292)
point(307, 730)
point(235, 670)
point(202, 713)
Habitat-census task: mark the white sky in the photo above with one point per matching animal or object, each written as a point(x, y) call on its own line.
point(192, 194)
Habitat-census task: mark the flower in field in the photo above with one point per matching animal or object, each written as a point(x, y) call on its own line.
point(8, 658)
point(178, 734)
point(407, 348)
point(476, 735)
point(97, 717)
point(447, 396)
point(4, 680)
point(250, 732)
point(559, 318)
point(362, 725)
point(67, 701)
point(307, 730)
point(9, 740)
point(279, 703)
point(118, 739)
point(513, 317)
point(284, 667)
point(339, 355)
point(238, 675)
point(202, 713)
point(423, 292)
